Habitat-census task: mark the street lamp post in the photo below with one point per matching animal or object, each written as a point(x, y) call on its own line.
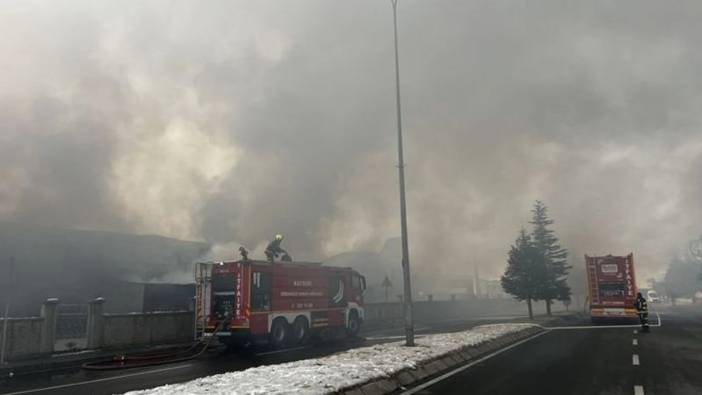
point(407, 299)
point(10, 286)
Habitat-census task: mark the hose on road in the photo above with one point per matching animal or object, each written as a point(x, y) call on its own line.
point(126, 361)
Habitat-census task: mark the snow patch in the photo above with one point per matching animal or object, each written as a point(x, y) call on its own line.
point(337, 371)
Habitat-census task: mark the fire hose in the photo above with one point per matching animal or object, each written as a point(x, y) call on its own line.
point(126, 361)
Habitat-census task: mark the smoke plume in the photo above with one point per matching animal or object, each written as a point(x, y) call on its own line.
point(231, 121)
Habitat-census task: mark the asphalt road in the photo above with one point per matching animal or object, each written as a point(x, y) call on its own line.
point(76, 381)
point(668, 360)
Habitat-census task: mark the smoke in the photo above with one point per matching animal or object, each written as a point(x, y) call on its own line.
point(233, 121)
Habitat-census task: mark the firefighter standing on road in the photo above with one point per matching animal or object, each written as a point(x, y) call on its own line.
point(642, 309)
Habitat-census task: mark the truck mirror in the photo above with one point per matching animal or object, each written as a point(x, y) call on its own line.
point(363, 283)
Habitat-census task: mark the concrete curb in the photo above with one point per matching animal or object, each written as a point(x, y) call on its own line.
point(435, 366)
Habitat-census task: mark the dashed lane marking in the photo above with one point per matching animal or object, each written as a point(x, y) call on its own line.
point(638, 390)
point(635, 331)
point(635, 342)
point(124, 376)
point(635, 359)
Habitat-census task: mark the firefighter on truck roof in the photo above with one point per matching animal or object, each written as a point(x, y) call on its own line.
point(274, 252)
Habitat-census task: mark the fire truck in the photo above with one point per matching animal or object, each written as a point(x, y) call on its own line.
point(283, 304)
point(612, 287)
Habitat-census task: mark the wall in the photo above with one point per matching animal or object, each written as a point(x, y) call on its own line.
point(23, 336)
point(148, 328)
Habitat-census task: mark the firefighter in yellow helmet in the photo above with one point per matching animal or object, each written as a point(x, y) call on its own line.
point(275, 251)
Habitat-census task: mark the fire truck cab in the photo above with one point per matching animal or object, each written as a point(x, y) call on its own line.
point(279, 303)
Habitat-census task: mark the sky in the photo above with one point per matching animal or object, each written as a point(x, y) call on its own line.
point(231, 121)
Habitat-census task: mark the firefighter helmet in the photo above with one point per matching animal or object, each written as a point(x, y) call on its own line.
point(279, 237)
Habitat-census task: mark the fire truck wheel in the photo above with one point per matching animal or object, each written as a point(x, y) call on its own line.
point(280, 333)
point(354, 324)
point(300, 330)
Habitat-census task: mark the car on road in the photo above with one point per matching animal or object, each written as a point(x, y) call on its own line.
point(652, 296)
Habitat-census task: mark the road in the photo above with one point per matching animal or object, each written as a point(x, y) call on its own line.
point(75, 381)
point(611, 361)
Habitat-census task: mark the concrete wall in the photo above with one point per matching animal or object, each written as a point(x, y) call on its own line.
point(35, 336)
point(23, 336)
point(145, 329)
point(31, 336)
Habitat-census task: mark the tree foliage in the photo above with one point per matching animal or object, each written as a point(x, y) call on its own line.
point(682, 277)
point(525, 272)
point(553, 257)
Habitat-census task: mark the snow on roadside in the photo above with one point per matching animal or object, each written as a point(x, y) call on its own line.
point(336, 371)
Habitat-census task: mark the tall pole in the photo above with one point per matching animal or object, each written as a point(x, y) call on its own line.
point(407, 299)
point(10, 285)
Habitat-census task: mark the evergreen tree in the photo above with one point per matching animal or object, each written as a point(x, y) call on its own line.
point(552, 256)
point(525, 272)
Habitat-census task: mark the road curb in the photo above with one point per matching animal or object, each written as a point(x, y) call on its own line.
point(434, 366)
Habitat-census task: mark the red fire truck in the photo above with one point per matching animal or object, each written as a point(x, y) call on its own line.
point(612, 287)
point(281, 303)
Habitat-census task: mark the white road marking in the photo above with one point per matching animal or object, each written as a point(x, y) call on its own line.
point(464, 367)
point(638, 390)
point(282, 351)
point(635, 331)
point(635, 359)
point(124, 376)
point(635, 342)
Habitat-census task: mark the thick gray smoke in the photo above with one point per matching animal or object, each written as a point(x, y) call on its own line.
point(232, 121)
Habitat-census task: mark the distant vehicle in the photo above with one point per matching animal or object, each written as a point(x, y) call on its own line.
point(652, 296)
point(283, 304)
point(612, 287)
point(683, 301)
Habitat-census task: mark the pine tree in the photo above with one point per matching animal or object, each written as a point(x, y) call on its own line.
point(552, 255)
point(525, 272)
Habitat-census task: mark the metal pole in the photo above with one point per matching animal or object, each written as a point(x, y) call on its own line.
point(11, 279)
point(407, 299)
point(4, 332)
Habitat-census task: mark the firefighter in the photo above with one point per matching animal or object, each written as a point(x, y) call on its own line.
point(642, 309)
point(274, 250)
point(244, 253)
